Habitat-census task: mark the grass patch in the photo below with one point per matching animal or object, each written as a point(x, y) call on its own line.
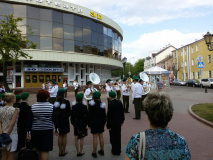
point(204, 110)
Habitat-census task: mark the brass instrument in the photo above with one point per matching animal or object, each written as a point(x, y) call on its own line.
point(128, 83)
point(145, 78)
point(115, 84)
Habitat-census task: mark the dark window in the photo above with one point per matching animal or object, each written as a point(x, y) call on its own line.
point(94, 49)
point(94, 26)
point(100, 39)
point(78, 21)
point(68, 19)
point(99, 28)
point(46, 43)
point(109, 32)
point(18, 67)
point(109, 42)
point(100, 50)
point(115, 36)
point(6, 9)
point(57, 16)
point(113, 43)
point(34, 39)
point(68, 32)
point(58, 44)
point(19, 10)
point(78, 33)
point(32, 12)
point(65, 67)
point(116, 45)
point(119, 39)
point(69, 45)
point(105, 40)
point(94, 37)
point(58, 30)
point(87, 23)
point(86, 35)
point(78, 46)
point(45, 28)
point(105, 52)
point(34, 25)
point(105, 30)
point(87, 48)
point(46, 14)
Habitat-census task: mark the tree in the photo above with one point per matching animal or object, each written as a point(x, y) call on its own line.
point(119, 72)
point(12, 44)
point(139, 66)
point(176, 66)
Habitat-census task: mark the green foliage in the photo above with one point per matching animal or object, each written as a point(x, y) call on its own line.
point(139, 66)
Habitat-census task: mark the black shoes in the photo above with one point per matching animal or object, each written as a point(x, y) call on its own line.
point(101, 152)
point(94, 155)
point(80, 154)
point(127, 112)
point(136, 118)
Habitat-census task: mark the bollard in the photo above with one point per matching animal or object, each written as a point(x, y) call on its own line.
point(206, 90)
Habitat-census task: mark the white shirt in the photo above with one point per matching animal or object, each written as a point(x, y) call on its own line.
point(65, 86)
point(43, 86)
point(123, 88)
point(117, 88)
point(53, 92)
point(75, 84)
point(108, 89)
point(88, 91)
point(137, 91)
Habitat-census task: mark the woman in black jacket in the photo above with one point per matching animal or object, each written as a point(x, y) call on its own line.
point(79, 119)
point(97, 121)
point(63, 111)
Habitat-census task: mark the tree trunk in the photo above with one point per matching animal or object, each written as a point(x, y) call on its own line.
point(7, 89)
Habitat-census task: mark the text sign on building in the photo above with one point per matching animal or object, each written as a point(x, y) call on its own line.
point(31, 69)
point(93, 14)
point(200, 64)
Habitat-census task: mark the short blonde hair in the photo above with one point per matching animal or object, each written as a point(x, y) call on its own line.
point(159, 108)
point(8, 97)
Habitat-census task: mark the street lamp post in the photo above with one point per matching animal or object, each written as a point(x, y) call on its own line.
point(129, 65)
point(208, 39)
point(124, 60)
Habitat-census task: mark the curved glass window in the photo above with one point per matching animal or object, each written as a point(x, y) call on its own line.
point(94, 26)
point(6, 9)
point(87, 23)
point(78, 33)
point(58, 44)
point(32, 12)
point(99, 28)
point(58, 30)
point(68, 32)
point(105, 40)
point(33, 26)
point(22, 25)
point(94, 37)
point(19, 10)
point(68, 45)
point(87, 48)
point(109, 32)
point(78, 21)
point(68, 19)
point(109, 42)
point(34, 39)
point(45, 28)
point(86, 35)
point(57, 16)
point(105, 31)
point(46, 43)
point(100, 50)
point(78, 46)
point(46, 14)
point(100, 39)
point(94, 49)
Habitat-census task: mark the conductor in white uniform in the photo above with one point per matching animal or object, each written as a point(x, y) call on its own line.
point(108, 89)
point(53, 91)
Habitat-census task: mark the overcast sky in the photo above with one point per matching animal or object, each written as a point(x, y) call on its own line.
point(152, 24)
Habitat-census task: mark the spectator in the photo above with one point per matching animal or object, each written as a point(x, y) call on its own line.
point(43, 85)
point(161, 142)
point(159, 86)
point(63, 113)
point(79, 117)
point(8, 124)
point(97, 121)
point(2, 89)
point(18, 101)
point(40, 128)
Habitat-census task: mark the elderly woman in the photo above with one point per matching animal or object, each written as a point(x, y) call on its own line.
point(41, 118)
point(161, 142)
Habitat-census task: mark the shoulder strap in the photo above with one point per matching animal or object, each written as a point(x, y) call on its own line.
point(142, 146)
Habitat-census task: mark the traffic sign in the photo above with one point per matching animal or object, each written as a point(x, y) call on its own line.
point(200, 71)
point(200, 64)
point(199, 58)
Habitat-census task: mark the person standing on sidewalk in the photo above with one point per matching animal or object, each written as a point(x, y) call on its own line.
point(159, 86)
point(136, 97)
point(108, 89)
point(65, 87)
point(76, 88)
point(125, 92)
point(115, 120)
point(53, 92)
point(97, 121)
point(117, 89)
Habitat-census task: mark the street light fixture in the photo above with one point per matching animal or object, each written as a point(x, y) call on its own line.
point(124, 60)
point(129, 65)
point(208, 39)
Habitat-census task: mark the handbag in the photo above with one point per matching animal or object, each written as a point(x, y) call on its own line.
point(4, 140)
point(82, 134)
point(28, 154)
point(142, 146)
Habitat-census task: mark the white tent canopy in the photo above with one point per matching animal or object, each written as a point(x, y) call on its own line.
point(156, 70)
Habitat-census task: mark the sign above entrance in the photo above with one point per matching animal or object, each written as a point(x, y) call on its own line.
point(40, 69)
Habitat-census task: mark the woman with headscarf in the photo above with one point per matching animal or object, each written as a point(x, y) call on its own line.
point(79, 119)
point(63, 111)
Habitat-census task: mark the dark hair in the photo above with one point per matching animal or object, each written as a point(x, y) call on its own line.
point(96, 99)
point(136, 80)
point(18, 100)
point(79, 100)
point(42, 95)
point(159, 108)
point(60, 97)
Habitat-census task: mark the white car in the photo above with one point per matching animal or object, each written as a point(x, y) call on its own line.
point(207, 82)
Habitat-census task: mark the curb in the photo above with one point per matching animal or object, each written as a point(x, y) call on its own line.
point(199, 118)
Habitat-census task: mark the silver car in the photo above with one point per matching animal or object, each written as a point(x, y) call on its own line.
point(179, 82)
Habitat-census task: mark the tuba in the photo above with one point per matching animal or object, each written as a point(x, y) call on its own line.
point(145, 78)
point(128, 83)
point(94, 78)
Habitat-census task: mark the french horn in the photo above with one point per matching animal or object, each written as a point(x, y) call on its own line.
point(145, 78)
point(95, 79)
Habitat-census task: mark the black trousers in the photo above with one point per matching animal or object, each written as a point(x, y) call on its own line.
point(115, 139)
point(76, 92)
point(65, 94)
point(137, 104)
point(88, 108)
point(126, 103)
point(142, 99)
point(118, 94)
point(52, 100)
point(22, 140)
point(108, 100)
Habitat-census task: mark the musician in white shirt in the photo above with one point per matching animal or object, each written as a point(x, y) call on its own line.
point(125, 91)
point(53, 92)
point(88, 92)
point(117, 89)
point(144, 85)
point(136, 97)
point(75, 84)
point(108, 89)
point(65, 87)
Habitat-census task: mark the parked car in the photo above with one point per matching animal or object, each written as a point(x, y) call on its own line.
point(207, 82)
point(193, 83)
point(179, 82)
point(171, 82)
